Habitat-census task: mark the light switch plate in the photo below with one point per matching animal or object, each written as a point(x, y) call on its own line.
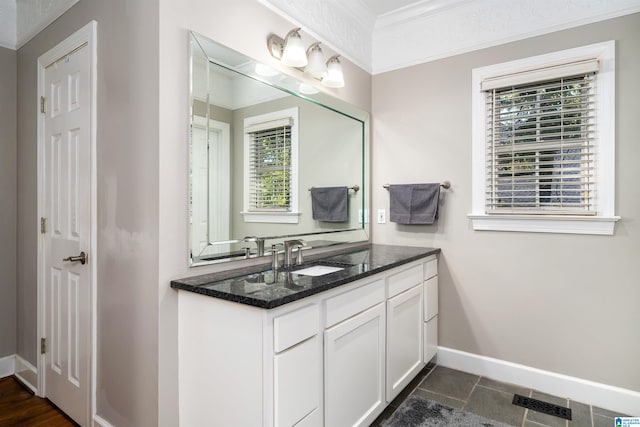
point(382, 216)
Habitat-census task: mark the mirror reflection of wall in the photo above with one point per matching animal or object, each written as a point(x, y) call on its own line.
point(255, 152)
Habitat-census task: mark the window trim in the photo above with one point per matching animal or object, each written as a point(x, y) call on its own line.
point(292, 216)
point(601, 223)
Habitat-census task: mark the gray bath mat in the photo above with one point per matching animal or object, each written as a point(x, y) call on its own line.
point(419, 412)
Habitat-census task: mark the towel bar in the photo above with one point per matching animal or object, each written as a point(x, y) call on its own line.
point(355, 188)
point(443, 184)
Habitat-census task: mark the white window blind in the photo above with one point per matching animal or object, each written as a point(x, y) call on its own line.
point(541, 154)
point(270, 164)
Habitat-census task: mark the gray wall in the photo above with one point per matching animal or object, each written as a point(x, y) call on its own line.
point(8, 196)
point(141, 147)
point(127, 156)
point(562, 303)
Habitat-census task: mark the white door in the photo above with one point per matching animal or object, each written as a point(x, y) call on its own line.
point(210, 186)
point(354, 369)
point(66, 195)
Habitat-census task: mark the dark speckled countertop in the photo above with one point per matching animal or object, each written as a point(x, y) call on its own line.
point(261, 290)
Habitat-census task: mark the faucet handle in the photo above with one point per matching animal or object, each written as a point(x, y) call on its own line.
point(299, 260)
point(275, 263)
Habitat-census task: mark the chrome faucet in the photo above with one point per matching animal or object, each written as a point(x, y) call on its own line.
point(259, 244)
point(289, 245)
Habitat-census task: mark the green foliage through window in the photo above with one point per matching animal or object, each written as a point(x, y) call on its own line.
point(270, 169)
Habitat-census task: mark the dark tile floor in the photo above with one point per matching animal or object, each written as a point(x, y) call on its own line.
point(492, 399)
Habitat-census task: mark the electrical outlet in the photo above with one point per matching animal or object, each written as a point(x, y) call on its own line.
point(382, 216)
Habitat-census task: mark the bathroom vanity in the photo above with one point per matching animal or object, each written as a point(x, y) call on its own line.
point(284, 349)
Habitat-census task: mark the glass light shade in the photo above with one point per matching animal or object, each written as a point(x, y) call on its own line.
point(265, 70)
point(316, 67)
point(334, 77)
point(294, 53)
point(307, 89)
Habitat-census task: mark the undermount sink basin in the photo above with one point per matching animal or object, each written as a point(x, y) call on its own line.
point(318, 270)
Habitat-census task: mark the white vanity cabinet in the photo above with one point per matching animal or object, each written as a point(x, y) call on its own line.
point(246, 366)
point(336, 358)
point(430, 308)
point(354, 354)
point(404, 329)
point(297, 368)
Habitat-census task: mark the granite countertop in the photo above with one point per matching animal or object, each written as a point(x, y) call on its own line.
point(261, 290)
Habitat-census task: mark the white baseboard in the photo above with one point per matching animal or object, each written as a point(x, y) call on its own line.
point(98, 421)
point(7, 365)
point(602, 395)
point(27, 374)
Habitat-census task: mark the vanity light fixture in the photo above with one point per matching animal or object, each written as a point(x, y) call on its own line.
point(290, 51)
point(334, 77)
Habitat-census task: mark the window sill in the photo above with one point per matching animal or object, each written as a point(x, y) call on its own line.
point(273, 217)
point(549, 224)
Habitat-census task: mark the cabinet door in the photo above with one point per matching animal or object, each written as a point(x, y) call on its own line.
point(430, 339)
point(354, 369)
point(298, 384)
point(404, 339)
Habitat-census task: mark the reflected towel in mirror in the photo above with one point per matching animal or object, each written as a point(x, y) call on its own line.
point(330, 204)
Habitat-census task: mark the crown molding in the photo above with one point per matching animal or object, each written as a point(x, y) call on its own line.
point(477, 25)
point(437, 29)
point(420, 9)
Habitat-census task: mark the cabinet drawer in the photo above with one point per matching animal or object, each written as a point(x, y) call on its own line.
point(430, 298)
point(431, 267)
point(295, 326)
point(404, 280)
point(353, 302)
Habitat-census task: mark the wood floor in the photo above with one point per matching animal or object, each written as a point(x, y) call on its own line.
point(19, 407)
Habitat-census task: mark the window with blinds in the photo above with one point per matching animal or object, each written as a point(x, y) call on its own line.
point(541, 156)
point(543, 143)
point(270, 164)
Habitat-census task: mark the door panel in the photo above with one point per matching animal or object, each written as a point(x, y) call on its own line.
point(404, 340)
point(354, 369)
point(67, 207)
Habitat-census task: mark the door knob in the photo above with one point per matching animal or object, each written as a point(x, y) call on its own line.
point(82, 258)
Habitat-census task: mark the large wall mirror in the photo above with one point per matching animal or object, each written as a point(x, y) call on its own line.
point(258, 145)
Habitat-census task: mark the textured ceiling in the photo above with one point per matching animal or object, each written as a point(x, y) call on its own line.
point(20, 20)
point(380, 7)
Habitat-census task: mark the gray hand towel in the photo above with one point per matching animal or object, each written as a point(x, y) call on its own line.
point(330, 204)
point(414, 203)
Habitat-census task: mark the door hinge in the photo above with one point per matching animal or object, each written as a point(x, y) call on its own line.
point(43, 345)
point(43, 104)
point(43, 225)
